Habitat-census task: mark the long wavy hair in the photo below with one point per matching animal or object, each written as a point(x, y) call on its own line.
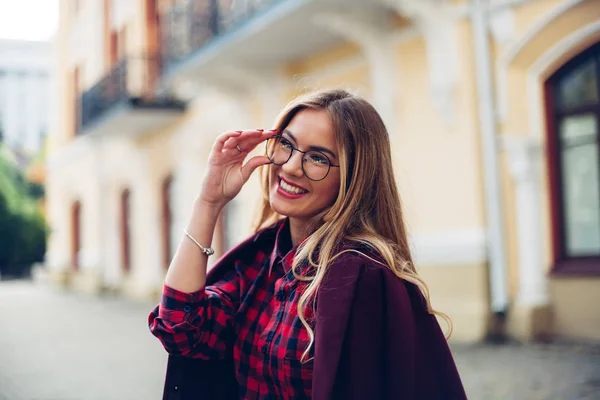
point(367, 212)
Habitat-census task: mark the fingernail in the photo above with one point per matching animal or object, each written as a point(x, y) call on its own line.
point(260, 130)
point(239, 131)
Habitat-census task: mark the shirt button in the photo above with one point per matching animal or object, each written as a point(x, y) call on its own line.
point(187, 309)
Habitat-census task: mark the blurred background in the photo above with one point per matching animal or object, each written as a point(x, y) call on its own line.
point(109, 109)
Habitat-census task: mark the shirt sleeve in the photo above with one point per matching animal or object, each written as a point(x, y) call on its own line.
point(199, 324)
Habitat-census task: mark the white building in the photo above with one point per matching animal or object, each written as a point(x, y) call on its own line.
point(24, 79)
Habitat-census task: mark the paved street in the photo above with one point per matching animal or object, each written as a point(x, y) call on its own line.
point(532, 372)
point(64, 346)
point(58, 346)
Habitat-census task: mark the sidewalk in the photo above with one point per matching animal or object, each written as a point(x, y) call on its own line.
point(64, 346)
point(530, 372)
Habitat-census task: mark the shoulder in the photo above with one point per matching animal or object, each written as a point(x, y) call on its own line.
point(364, 288)
point(359, 264)
point(351, 270)
point(370, 278)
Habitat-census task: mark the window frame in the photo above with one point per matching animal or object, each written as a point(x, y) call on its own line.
point(563, 264)
point(125, 231)
point(76, 242)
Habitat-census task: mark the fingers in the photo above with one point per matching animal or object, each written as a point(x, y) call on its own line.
point(247, 140)
point(224, 137)
point(251, 165)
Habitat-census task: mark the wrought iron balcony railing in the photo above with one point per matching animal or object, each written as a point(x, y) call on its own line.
point(189, 25)
point(131, 82)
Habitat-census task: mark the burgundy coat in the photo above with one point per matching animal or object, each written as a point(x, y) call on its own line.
point(373, 340)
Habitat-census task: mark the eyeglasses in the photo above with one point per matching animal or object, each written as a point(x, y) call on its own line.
point(315, 164)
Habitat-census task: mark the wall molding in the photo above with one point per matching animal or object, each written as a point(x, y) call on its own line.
point(462, 246)
point(503, 25)
point(436, 21)
point(371, 33)
point(541, 68)
point(78, 148)
point(517, 46)
point(542, 22)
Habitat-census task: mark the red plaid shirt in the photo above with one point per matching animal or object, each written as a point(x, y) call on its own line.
point(250, 315)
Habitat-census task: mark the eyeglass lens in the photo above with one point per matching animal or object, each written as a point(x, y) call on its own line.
point(314, 163)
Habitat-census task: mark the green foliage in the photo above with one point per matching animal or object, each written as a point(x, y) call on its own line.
point(22, 227)
point(35, 190)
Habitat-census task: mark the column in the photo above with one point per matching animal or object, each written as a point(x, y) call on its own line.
point(436, 21)
point(147, 271)
point(530, 314)
point(371, 33)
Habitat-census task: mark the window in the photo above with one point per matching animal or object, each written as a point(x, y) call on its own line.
point(76, 82)
point(118, 45)
point(168, 236)
point(125, 231)
point(573, 94)
point(75, 234)
point(122, 43)
point(153, 42)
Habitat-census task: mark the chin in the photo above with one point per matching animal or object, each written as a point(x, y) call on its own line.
point(304, 208)
point(287, 210)
point(281, 207)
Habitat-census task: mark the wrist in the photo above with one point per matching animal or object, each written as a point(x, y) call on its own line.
point(207, 208)
point(203, 221)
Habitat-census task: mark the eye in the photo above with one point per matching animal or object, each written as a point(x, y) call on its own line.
point(286, 143)
point(317, 158)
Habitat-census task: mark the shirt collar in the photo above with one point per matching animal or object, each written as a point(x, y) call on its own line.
point(283, 250)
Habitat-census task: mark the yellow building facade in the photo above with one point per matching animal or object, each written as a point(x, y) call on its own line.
point(492, 107)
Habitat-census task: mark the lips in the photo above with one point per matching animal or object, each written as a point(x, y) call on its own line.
point(290, 187)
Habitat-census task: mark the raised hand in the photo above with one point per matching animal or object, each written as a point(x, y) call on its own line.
point(226, 172)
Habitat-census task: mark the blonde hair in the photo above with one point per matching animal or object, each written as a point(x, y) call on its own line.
point(372, 221)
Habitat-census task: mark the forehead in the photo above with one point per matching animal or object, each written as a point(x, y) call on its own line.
point(313, 128)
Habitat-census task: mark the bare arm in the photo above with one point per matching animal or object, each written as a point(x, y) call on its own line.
point(224, 178)
point(187, 271)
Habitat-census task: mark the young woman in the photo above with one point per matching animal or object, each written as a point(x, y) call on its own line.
point(323, 301)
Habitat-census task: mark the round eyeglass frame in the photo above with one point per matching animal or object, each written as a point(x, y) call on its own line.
point(299, 151)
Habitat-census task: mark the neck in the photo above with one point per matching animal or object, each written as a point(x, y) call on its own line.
point(297, 230)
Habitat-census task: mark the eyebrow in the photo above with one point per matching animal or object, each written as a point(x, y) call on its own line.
point(318, 148)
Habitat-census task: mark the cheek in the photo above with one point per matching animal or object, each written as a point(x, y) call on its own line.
point(329, 190)
point(273, 171)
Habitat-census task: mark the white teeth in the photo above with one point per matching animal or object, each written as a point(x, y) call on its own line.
point(289, 188)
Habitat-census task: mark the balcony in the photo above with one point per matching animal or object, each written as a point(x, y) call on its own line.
point(203, 39)
point(126, 102)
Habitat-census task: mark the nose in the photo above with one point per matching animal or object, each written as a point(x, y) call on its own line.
point(294, 165)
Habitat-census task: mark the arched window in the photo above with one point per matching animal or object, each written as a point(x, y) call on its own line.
point(573, 100)
point(75, 234)
point(126, 230)
point(168, 246)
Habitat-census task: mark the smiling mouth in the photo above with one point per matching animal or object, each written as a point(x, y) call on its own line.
point(291, 189)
